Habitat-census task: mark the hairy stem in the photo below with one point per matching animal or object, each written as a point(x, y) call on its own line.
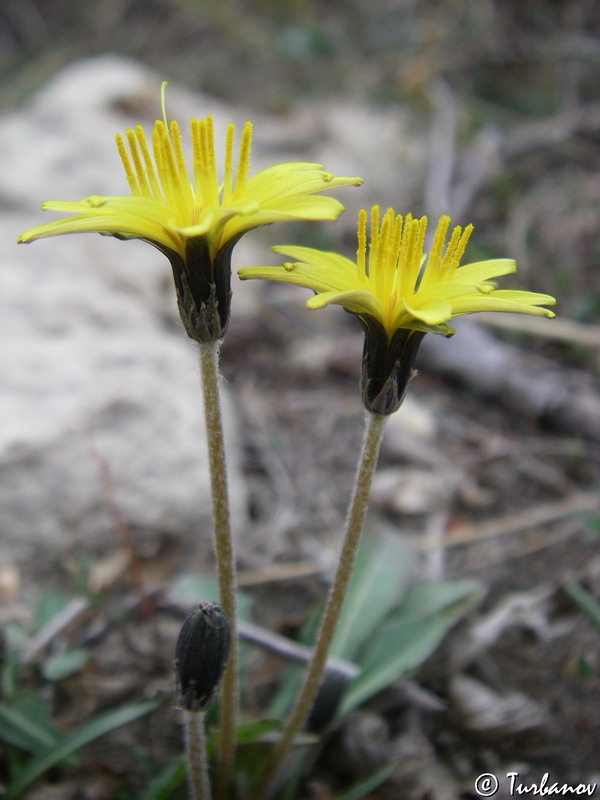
point(195, 750)
point(209, 366)
point(337, 594)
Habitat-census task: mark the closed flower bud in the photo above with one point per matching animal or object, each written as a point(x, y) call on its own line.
point(201, 656)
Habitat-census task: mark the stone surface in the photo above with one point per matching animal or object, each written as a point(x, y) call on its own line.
point(97, 373)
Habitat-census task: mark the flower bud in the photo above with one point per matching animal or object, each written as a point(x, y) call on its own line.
point(201, 656)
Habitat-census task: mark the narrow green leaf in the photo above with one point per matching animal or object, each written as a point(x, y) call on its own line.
point(47, 607)
point(378, 584)
point(171, 778)
point(9, 674)
point(246, 732)
point(407, 646)
point(195, 588)
point(62, 665)
point(403, 644)
point(367, 785)
point(15, 635)
point(291, 680)
point(587, 604)
point(425, 598)
point(26, 724)
point(75, 741)
point(192, 588)
point(256, 729)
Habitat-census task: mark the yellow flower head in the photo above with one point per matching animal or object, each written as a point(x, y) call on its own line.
point(190, 216)
point(399, 293)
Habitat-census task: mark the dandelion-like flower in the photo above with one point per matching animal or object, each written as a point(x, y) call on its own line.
point(190, 216)
point(399, 293)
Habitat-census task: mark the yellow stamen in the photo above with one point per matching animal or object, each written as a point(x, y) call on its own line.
point(137, 163)
point(167, 168)
point(197, 162)
point(397, 240)
point(243, 161)
point(361, 250)
point(403, 254)
point(381, 271)
point(394, 255)
point(228, 176)
point(435, 256)
point(150, 173)
point(415, 266)
point(374, 243)
point(157, 152)
point(129, 174)
point(410, 251)
point(205, 171)
point(448, 258)
point(177, 148)
point(188, 201)
point(210, 162)
point(459, 250)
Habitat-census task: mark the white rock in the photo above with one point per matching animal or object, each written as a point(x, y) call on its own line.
point(95, 366)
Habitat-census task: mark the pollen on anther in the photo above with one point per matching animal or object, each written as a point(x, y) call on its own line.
point(150, 174)
point(129, 173)
point(228, 175)
point(244, 159)
point(361, 250)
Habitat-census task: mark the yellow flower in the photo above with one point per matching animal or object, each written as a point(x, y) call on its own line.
point(399, 293)
point(191, 217)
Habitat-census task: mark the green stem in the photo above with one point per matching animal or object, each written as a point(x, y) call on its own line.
point(209, 366)
point(195, 750)
point(337, 594)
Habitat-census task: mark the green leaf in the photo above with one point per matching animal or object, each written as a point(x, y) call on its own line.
point(246, 732)
point(377, 585)
point(195, 588)
point(26, 724)
point(75, 741)
point(367, 785)
point(586, 603)
point(425, 598)
point(9, 674)
point(408, 637)
point(47, 607)
point(171, 778)
point(291, 680)
point(62, 665)
point(192, 588)
point(255, 730)
point(15, 635)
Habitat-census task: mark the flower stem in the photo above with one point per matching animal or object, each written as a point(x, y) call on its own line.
point(195, 750)
point(209, 367)
point(337, 594)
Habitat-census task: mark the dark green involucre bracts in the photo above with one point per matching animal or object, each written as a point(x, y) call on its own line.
point(388, 365)
point(201, 656)
point(203, 287)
